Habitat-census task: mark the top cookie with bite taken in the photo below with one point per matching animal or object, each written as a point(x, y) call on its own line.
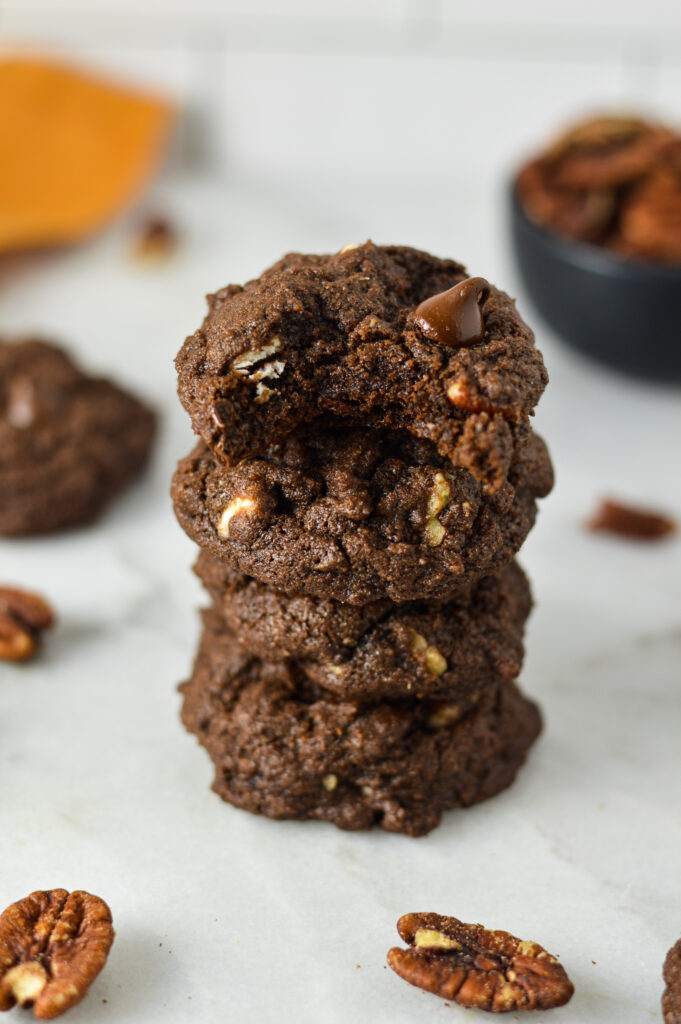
point(381, 336)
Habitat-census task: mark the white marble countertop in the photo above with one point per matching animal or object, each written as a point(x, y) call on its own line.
point(224, 916)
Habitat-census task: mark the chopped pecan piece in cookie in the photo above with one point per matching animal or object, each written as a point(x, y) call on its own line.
point(23, 619)
point(487, 970)
point(634, 523)
point(671, 972)
point(53, 944)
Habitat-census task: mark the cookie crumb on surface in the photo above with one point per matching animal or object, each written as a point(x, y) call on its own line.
point(156, 239)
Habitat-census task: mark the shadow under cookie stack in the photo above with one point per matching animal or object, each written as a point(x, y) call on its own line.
point(365, 476)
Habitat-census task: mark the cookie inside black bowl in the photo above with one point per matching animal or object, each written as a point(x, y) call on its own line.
point(621, 312)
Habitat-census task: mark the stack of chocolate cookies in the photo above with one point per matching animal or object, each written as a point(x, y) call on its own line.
point(365, 475)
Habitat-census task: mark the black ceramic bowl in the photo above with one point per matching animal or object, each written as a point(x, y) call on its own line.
point(623, 313)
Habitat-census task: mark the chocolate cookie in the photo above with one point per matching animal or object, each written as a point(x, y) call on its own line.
point(353, 335)
point(380, 649)
point(357, 516)
point(671, 972)
point(282, 748)
point(68, 442)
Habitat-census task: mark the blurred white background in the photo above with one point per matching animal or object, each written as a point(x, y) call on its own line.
point(397, 88)
point(368, 117)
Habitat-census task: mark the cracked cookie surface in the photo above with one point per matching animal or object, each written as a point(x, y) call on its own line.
point(284, 748)
point(358, 516)
point(381, 649)
point(336, 335)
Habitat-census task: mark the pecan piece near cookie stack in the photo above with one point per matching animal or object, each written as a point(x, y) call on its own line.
point(485, 970)
point(24, 617)
point(364, 477)
point(53, 944)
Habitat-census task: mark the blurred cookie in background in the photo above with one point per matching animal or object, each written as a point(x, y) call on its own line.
point(69, 442)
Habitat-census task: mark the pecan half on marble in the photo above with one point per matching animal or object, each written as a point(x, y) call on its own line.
point(52, 946)
point(632, 523)
point(478, 968)
point(23, 619)
point(671, 972)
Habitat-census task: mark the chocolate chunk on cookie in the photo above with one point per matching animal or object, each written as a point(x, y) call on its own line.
point(381, 649)
point(283, 748)
point(357, 516)
point(343, 335)
point(68, 442)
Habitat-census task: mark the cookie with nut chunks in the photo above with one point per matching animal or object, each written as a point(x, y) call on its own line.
point(358, 516)
point(380, 649)
point(283, 748)
point(347, 335)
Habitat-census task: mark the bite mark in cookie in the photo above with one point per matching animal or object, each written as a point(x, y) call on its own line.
point(342, 335)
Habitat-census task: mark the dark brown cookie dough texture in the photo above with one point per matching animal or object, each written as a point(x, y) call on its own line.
point(69, 442)
point(357, 516)
point(320, 336)
point(284, 748)
point(364, 477)
point(380, 650)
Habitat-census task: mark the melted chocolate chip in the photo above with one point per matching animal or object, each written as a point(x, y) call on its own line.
point(454, 318)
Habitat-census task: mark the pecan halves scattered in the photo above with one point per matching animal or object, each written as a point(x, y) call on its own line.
point(23, 619)
point(632, 523)
point(486, 970)
point(671, 972)
point(52, 946)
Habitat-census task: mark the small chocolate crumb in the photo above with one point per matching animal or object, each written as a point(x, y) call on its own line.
point(632, 523)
